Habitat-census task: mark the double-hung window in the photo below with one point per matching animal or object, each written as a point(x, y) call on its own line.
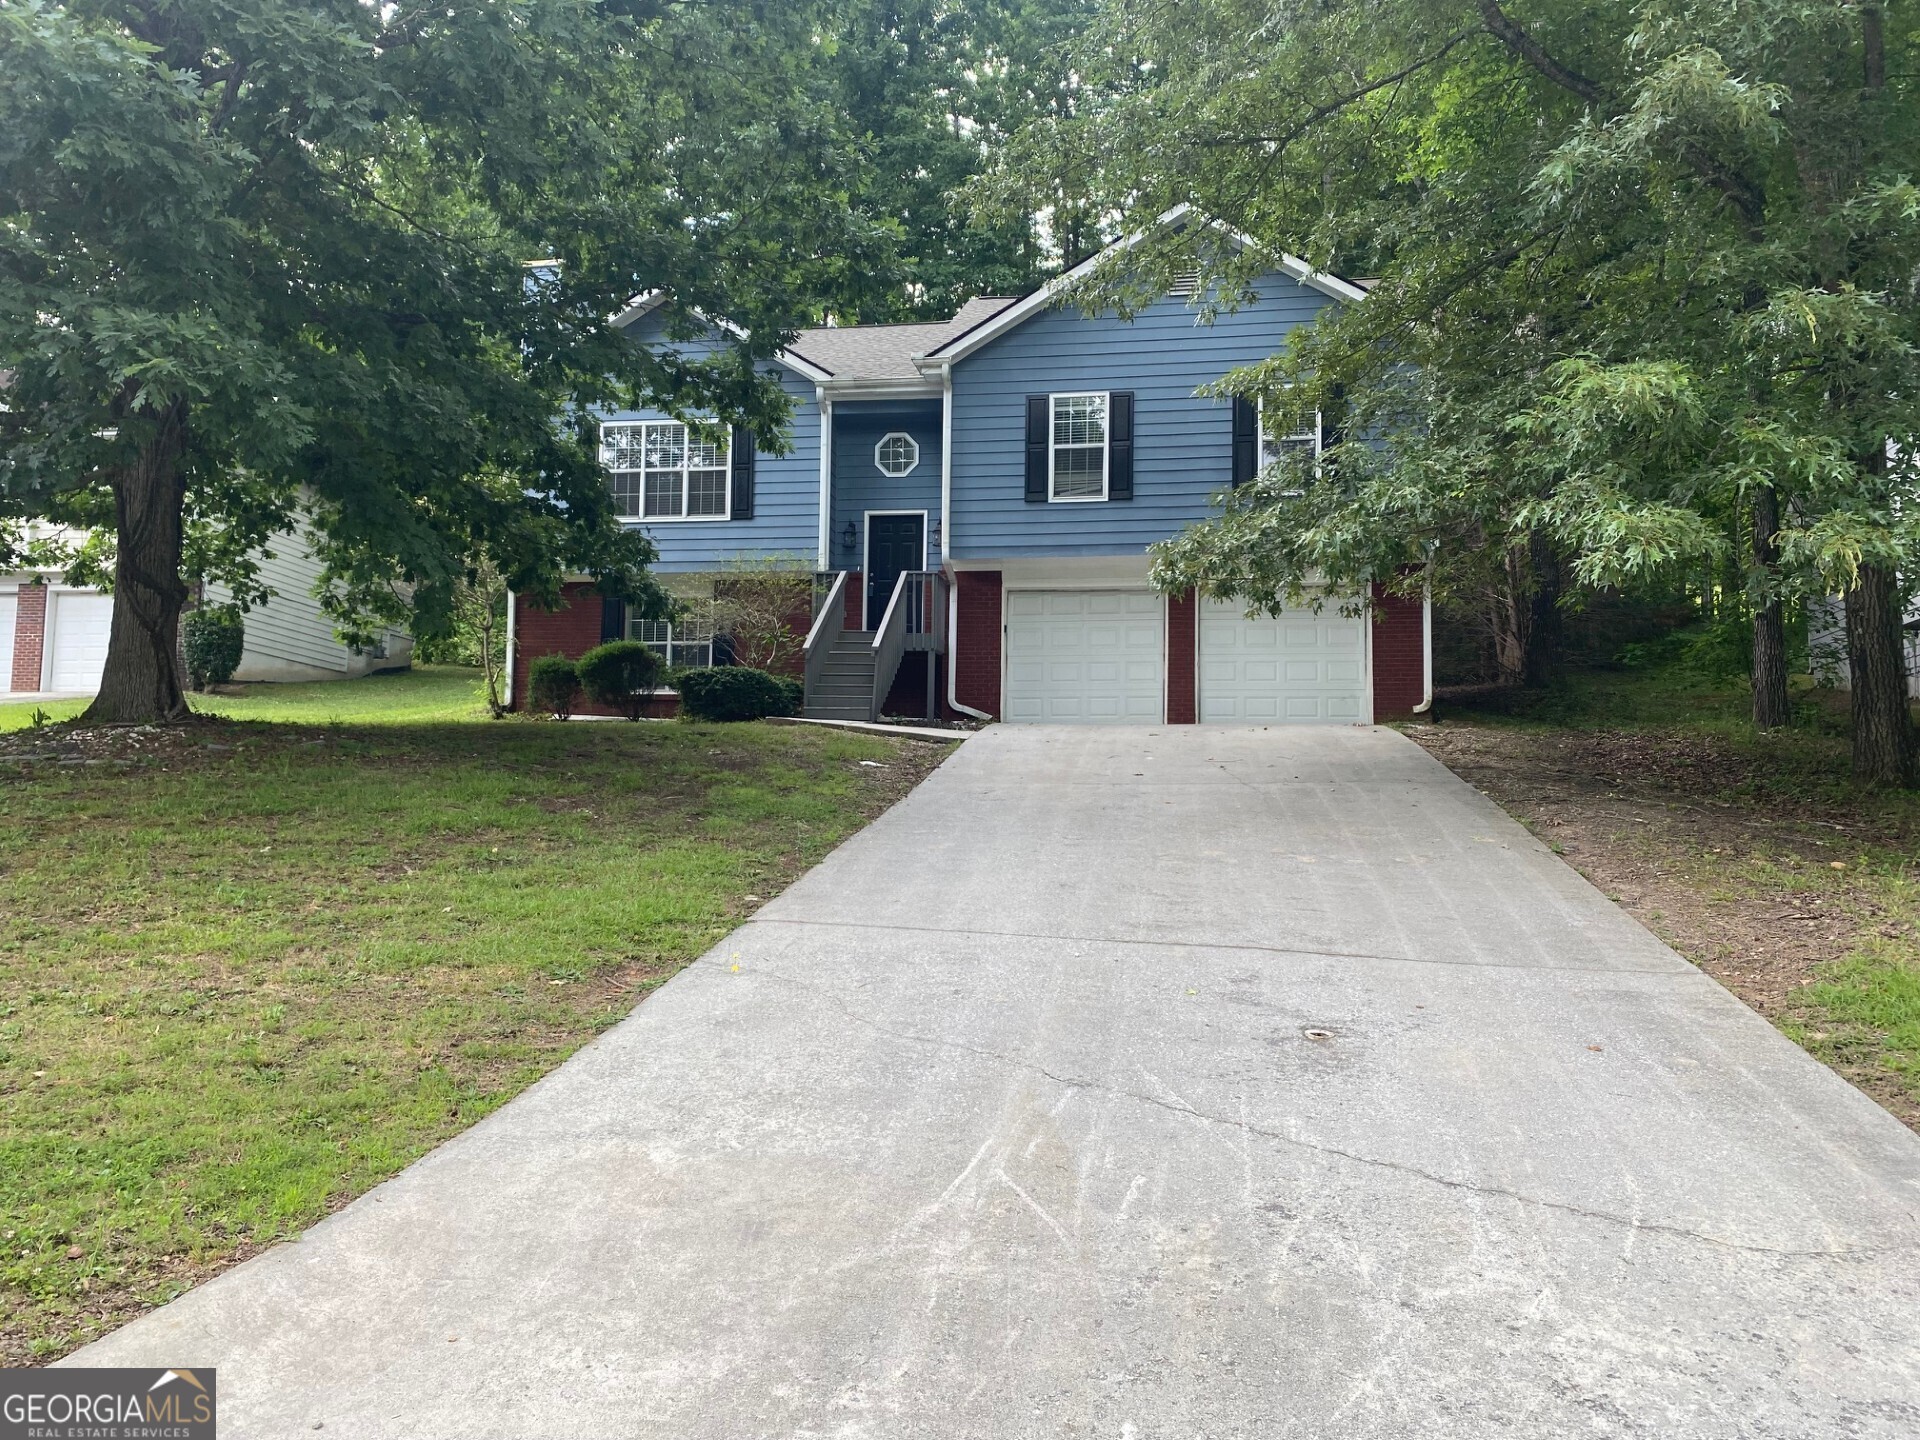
point(661, 471)
point(1301, 442)
point(686, 641)
point(1077, 468)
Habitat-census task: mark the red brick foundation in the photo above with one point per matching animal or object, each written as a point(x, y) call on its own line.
point(1183, 649)
point(1399, 654)
point(29, 637)
point(976, 639)
point(571, 630)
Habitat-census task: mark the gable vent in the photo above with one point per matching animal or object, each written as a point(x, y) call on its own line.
point(1185, 283)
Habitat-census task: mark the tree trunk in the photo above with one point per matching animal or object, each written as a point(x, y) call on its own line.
point(1771, 708)
point(141, 682)
point(1882, 727)
point(1543, 620)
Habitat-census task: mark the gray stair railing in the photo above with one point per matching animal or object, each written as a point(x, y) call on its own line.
point(828, 626)
point(915, 620)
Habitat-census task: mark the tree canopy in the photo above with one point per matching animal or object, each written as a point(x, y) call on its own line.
point(1646, 291)
point(269, 253)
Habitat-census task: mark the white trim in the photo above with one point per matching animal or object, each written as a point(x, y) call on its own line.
point(646, 303)
point(1366, 649)
point(856, 388)
point(946, 480)
point(825, 402)
point(1106, 445)
point(881, 443)
point(967, 342)
point(686, 473)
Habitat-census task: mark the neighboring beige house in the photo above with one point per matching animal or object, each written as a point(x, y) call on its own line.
point(53, 636)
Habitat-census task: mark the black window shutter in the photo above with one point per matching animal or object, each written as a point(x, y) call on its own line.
point(1333, 424)
point(1246, 439)
point(742, 460)
point(1120, 445)
point(613, 619)
point(723, 650)
point(1039, 441)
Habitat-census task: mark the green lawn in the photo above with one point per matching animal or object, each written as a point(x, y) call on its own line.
point(1757, 856)
point(251, 968)
point(432, 692)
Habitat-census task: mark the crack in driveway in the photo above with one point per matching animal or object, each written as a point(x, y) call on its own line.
point(1449, 1182)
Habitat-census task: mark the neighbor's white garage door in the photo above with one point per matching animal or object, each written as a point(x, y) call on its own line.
point(1295, 669)
point(1083, 657)
point(9, 618)
point(81, 624)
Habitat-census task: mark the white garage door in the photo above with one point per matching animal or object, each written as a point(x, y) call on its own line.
point(1298, 668)
point(9, 617)
point(1085, 657)
point(81, 624)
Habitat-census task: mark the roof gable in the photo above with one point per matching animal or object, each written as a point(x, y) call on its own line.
point(964, 343)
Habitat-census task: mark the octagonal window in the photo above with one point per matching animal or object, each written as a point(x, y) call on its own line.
point(896, 454)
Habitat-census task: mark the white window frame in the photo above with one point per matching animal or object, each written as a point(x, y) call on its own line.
point(1105, 397)
point(887, 439)
point(685, 470)
point(1270, 445)
point(665, 647)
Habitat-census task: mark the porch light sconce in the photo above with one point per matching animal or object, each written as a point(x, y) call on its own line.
point(849, 537)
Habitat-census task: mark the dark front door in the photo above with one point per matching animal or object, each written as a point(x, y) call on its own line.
point(894, 543)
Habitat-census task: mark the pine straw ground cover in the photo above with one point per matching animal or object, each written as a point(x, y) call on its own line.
point(251, 968)
point(1754, 856)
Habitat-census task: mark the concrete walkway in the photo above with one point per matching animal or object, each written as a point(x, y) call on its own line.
point(1176, 1083)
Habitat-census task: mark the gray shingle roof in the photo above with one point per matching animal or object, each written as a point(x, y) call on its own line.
point(885, 352)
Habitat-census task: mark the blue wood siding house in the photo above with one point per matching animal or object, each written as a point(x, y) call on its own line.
point(975, 499)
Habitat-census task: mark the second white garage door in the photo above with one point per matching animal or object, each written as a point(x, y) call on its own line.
point(81, 625)
point(1298, 668)
point(1081, 657)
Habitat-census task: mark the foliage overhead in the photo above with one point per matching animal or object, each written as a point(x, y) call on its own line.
point(1635, 262)
point(274, 253)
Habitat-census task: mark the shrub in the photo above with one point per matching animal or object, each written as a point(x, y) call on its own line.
point(215, 638)
point(733, 692)
point(553, 685)
point(619, 675)
point(796, 689)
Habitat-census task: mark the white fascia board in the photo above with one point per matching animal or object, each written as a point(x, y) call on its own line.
point(969, 341)
point(889, 389)
point(641, 305)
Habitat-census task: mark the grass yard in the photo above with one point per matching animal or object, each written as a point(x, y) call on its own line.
point(1755, 856)
point(250, 968)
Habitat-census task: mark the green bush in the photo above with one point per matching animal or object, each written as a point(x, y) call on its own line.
point(620, 674)
point(796, 689)
point(553, 685)
point(734, 692)
point(215, 637)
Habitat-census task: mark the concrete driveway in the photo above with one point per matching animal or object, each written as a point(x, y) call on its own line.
point(1170, 1083)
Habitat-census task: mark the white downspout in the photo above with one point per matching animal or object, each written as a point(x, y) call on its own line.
point(509, 664)
point(953, 648)
point(946, 541)
point(826, 472)
point(946, 464)
point(1426, 642)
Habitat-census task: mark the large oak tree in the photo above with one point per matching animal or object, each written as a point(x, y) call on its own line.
point(265, 254)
